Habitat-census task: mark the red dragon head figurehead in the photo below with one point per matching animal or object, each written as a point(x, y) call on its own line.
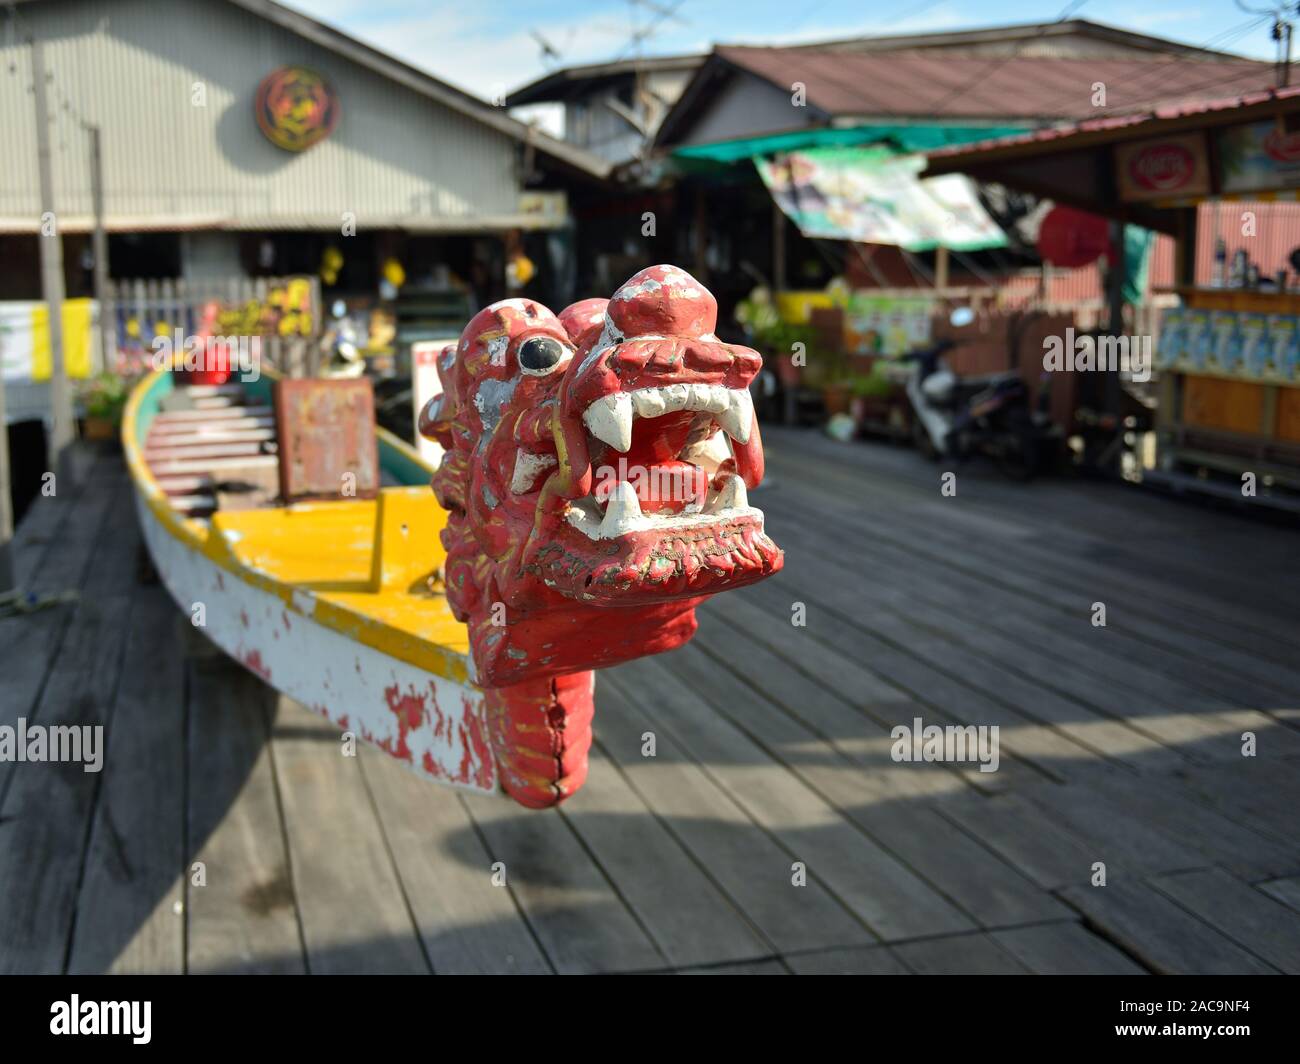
point(595, 476)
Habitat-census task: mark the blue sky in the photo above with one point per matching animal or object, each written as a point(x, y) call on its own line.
point(485, 46)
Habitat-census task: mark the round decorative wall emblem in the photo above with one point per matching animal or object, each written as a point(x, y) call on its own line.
point(295, 108)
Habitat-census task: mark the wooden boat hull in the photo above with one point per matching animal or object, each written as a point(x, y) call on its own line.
point(321, 649)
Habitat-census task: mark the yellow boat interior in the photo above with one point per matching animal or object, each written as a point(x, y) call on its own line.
point(205, 459)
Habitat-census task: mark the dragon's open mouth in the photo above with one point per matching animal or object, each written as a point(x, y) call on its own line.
point(663, 461)
point(667, 513)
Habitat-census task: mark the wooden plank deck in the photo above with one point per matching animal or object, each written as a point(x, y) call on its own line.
point(771, 832)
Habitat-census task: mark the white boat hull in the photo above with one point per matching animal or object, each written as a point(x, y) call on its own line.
point(435, 725)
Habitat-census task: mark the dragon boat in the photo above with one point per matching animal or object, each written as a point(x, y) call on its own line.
point(593, 491)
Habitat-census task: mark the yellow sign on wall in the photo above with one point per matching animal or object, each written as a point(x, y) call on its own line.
point(25, 340)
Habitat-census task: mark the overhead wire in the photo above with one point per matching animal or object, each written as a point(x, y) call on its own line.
point(1159, 71)
point(1001, 61)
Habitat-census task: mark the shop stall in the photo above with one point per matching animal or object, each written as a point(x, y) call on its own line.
point(1228, 354)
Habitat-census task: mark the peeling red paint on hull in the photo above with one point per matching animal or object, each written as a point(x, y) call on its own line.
point(386, 702)
point(252, 660)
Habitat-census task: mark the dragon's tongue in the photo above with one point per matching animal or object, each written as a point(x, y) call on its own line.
point(659, 439)
point(662, 483)
point(665, 487)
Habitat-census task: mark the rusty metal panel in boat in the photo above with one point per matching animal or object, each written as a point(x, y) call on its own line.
point(326, 434)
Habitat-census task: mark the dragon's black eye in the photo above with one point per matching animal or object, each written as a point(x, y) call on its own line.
point(541, 354)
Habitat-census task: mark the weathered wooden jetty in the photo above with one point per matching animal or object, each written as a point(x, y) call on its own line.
point(1119, 745)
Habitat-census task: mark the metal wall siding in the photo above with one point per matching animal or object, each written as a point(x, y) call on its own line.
point(131, 69)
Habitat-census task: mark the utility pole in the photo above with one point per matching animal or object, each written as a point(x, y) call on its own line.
point(99, 248)
point(1281, 33)
point(1283, 30)
point(51, 242)
point(6, 499)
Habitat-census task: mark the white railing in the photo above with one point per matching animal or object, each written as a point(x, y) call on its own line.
point(285, 312)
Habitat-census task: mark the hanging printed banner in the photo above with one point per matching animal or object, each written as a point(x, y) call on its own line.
point(295, 108)
point(874, 196)
point(886, 325)
point(1260, 157)
point(1169, 168)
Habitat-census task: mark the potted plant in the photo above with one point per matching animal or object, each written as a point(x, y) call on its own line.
point(807, 357)
point(103, 399)
point(878, 397)
point(826, 370)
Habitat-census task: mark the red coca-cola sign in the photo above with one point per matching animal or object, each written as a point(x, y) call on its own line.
point(1162, 167)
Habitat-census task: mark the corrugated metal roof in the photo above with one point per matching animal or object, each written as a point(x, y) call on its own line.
point(573, 80)
point(1041, 37)
point(1185, 109)
point(928, 85)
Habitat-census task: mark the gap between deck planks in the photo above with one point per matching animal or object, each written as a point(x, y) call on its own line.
point(740, 616)
point(904, 870)
point(935, 542)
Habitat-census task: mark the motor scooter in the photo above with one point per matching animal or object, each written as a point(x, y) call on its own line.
point(957, 417)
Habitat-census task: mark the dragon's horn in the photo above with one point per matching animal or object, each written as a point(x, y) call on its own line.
point(435, 419)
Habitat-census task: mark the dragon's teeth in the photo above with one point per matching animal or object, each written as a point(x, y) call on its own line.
point(649, 402)
point(610, 419)
point(676, 397)
point(739, 415)
point(621, 510)
point(732, 496)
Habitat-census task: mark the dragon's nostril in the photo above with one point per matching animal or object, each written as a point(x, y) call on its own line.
point(540, 353)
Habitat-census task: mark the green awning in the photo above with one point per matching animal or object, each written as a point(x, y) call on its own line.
point(905, 138)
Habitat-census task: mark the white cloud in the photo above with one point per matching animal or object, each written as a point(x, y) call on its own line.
point(466, 45)
point(1163, 18)
point(489, 50)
